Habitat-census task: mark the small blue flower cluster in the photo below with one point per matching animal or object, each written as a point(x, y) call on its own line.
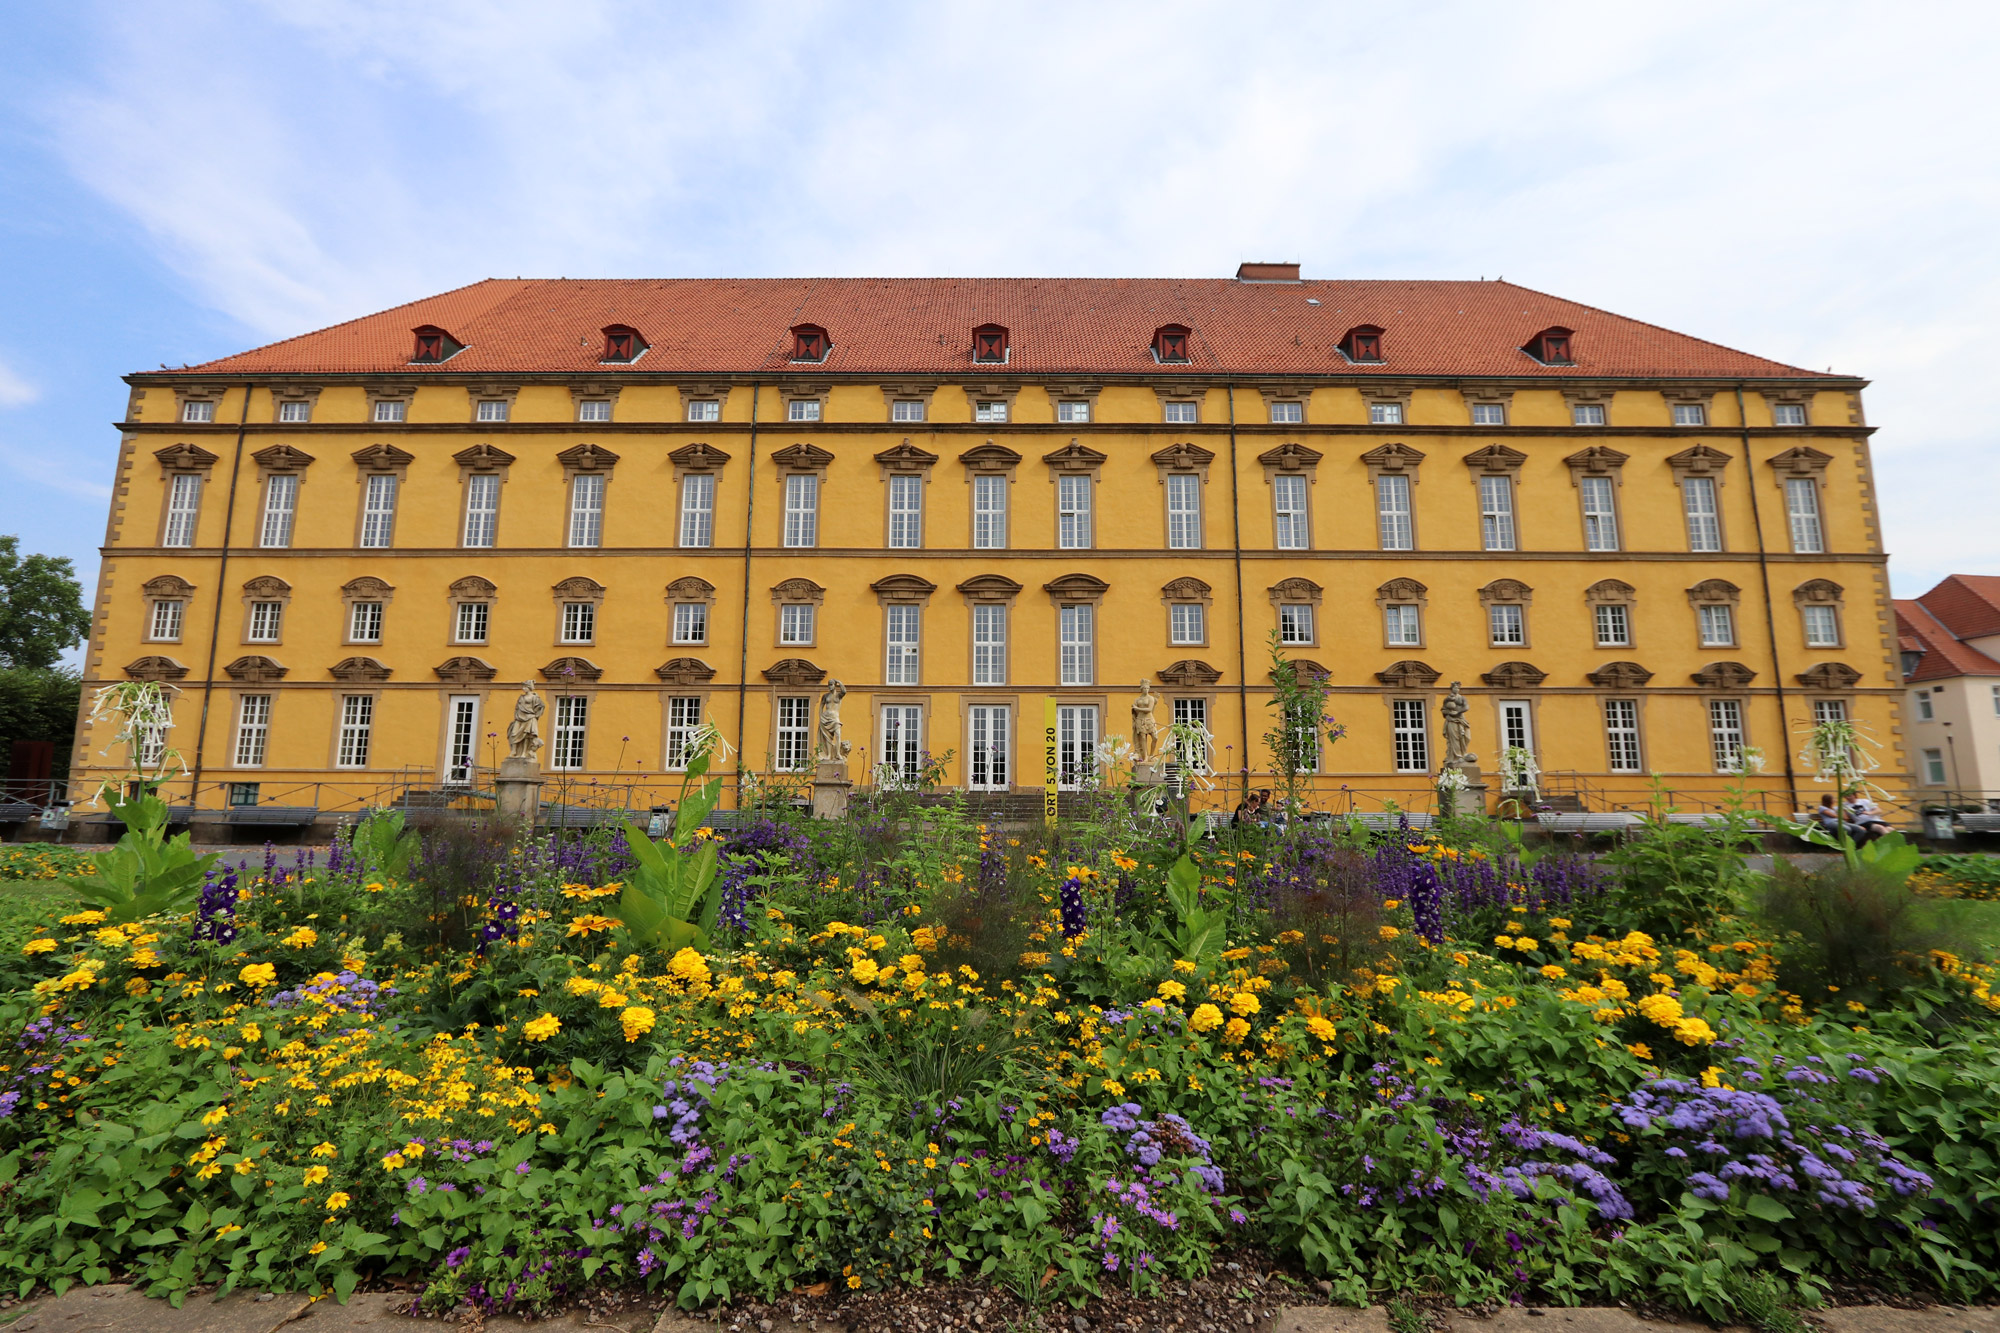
point(349, 991)
point(1152, 1140)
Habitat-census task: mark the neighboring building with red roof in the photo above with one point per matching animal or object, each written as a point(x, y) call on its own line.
point(1950, 642)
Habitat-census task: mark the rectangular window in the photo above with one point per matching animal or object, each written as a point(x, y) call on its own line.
point(1288, 503)
point(1187, 623)
point(471, 623)
point(281, 495)
point(690, 622)
point(1822, 627)
point(1182, 414)
point(586, 510)
point(1496, 513)
point(1587, 414)
point(1517, 726)
point(493, 409)
point(989, 512)
point(1802, 505)
point(988, 727)
point(1385, 414)
point(1295, 622)
point(1073, 511)
point(357, 724)
point(266, 619)
point(579, 622)
point(197, 411)
point(1690, 414)
point(1934, 767)
point(989, 643)
point(482, 509)
point(990, 410)
point(1402, 626)
point(566, 746)
point(166, 623)
point(1614, 626)
point(704, 409)
point(1788, 414)
point(183, 503)
point(1183, 511)
point(1194, 713)
point(1412, 736)
point(1079, 644)
point(900, 627)
point(1506, 625)
point(907, 409)
point(1704, 522)
point(1392, 513)
point(295, 411)
point(593, 409)
point(1996, 700)
point(1489, 414)
point(1076, 745)
point(802, 409)
point(364, 623)
point(245, 793)
point(906, 510)
point(1925, 712)
point(1829, 710)
point(902, 735)
point(698, 509)
point(253, 728)
point(794, 733)
point(391, 409)
point(1725, 734)
point(683, 718)
point(795, 624)
point(1600, 514)
point(1621, 734)
point(802, 509)
point(1287, 414)
point(1074, 411)
point(461, 739)
point(1718, 627)
point(378, 510)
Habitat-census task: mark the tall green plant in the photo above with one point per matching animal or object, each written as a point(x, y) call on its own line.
point(383, 845)
point(147, 872)
point(673, 894)
point(1299, 698)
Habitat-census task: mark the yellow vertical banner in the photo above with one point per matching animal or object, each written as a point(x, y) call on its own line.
point(1050, 767)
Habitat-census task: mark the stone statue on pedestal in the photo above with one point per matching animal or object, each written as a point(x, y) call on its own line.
point(1457, 730)
point(1145, 732)
point(831, 748)
point(524, 733)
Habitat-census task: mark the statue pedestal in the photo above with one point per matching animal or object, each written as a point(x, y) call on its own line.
point(1472, 800)
point(518, 788)
point(831, 788)
point(1148, 773)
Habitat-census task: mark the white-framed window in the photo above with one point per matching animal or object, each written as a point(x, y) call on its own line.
point(1411, 734)
point(1822, 626)
point(1076, 745)
point(1829, 710)
point(295, 410)
point(1725, 734)
point(1600, 513)
point(1187, 623)
point(1788, 414)
point(698, 509)
point(1073, 500)
point(1506, 625)
point(1073, 411)
point(566, 746)
point(1402, 625)
point(902, 740)
point(196, 411)
point(281, 498)
point(802, 409)
point(1078, 633)
point(990, 410)
point(482, 509)
point(1489, 414)
point(802, 509)
point(1295, 622)
point(796, 624)
point(378, 510)
point(989, 643)
point(1287, 414)
point(900, 626)
point(1587, 414)
point(1802, 507)
point(183, 504)
point(704, 409)
point(357, 727)
point(1704, 520)
point(579, 622)
point(906, 510)
point(907, 409)
point(391, 410)
point(166, 622)
point(1182, 414)
point(471, 621)
point(493, 409)
point(461, 739)
point(1496, 513)
point(253, 729)
point(1996, 700)
point(1292, 526)
point(586, 510)
point(1194, 713)
point(690, 622)
point(1925, 711)
point(794, 733)
point(1183, 511)
point(1385, 414)
point(593, 409)
point(683, 719)
point(1690, 414)
point(364, 622)
point(266, 621)
point(1614, 625)
point(1517, 725)
point(1621, 734)
point(1392, 513)
point(1718, 626)
point(988, 729)
point(989, 512)
point(1934, 768)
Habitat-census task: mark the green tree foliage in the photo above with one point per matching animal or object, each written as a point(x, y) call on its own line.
point(39, 704)
point(41, 607)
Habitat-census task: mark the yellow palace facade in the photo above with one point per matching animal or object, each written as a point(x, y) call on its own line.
point(980, 504)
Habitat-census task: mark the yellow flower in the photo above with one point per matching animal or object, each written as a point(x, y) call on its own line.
point(1320, 1028)
point(1114, 1087)
point(541, 1029)
point(1388, 932)
point(637, 1020)
point(337, 1201)
point(1243, 1002)
point(854, 1282)
point(393, 1162)
point(1183, 965)
point(325, 1150)
point(585, 925)
point(1173, 990)
point(39, 946)
point(911, 962)
point(1206, 1018)
point(1559, 922)
point(1237, 1030)
point(220, 1232)
point(319, 1247)
point(315, 1174)
point(216, 1117)
point(689, 966)
point(83, 919)
point(258, 974)
point(302, 938)
point(252, 1032)
point(1641, 1049)
point(1553, 973)
point(1504, 941)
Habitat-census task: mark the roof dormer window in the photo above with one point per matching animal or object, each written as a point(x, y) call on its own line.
point(989, 344)
point(1551, 347)
point(622, 343)
point(1170, 344)
point(434, 345)
point(809, 343)
point(1362, 344)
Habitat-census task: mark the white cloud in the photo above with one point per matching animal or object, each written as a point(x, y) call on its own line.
point(14, 390)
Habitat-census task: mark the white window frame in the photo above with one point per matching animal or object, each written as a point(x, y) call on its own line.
point(364, 622)
point(801, 509)
point(281, 502)
point(493, 410)
point(1587, 414)
point(253, 730)
point(793, 731)
point(389, 410)
point(1496, 513)
point(1506, 625)
point(797, 624)
point(1717, 625)
point(482, 511)
point(691, 622)
point(1725, 734)
point(1077, 640)
point(1621, 736)
point(1926, 710)
point(197, 411)
point(1821, 625)
point(1699, 503)
point(579, 623)
point(294, 410)
point(1690, 414)
point(1187, 624)
point(698, 510)
point(990, 411)
point(1395, 525)
point(1403, 625)
point(1613, 624)
point(1183, 511)
point(989, 643)
point(989, 730)
point(569, 739)
point(267, 623)
point(593, 409)
point(461, 740)
point(902, 641)
point(989, 511)
point(1802, 509)
point(586, 511)
point(169, 615)
point(1788, 414)
point(1385, 414)
point(357, 730)
point(1076, 746)
point(378, 510)
point(1599, 497)
point(183, 509)
point(704, 409)
point(472, 616)
point(1194, 709)
point(1291, 516)
point(1517, 725)
point(1285, 412)
point(1073, 411)
point(1075, 500)
point(906, 511)
point(1489, 414)
point(803, 409)
point(1409, 722)
point(1829, 710)
point(683, 720)
point(1296, 623)
point(907, 410)
point(1934, 771)
point(901, 751)
point(1181, 413)
point(1996, 700)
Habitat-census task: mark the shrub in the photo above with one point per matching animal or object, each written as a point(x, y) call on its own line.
point(1851, 931)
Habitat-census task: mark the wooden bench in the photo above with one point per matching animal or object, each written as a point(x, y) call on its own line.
point(1710, 819)
point(270, 816)
point(1607, 821)
point(579, 816)
point(18, 812)
point(1381, 821)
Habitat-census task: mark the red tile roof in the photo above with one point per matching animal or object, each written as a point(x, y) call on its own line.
point(923, 326)
point(1966, 604)
point(1944, 656)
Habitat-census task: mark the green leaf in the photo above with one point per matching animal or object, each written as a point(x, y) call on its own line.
point(1767, 1208)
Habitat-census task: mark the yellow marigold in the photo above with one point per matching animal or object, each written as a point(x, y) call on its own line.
point(1641, 1049)
point(1291, 936)
point(1553, 973)
point(689, 966)
point(1173, 990)
point(83, 918)
point(337, 1201)
point(302, 938)
point(1206, 1018)
point(1388, 932)
point(1320, 1028)
point(865, 971)
point(911, 962)
point(1693, 1032)
point(1183, 965)
point(1236, 1030)
point(591, 923)
point(258, 974)
point(39, 946)
point(541, 1029)
point(1152, 1002)
point(1526, 942)
point(138, 986)
point(315, 1174)
point(1504, 941)
point(1662, 1009)
point(637, 1021)
point(1243, 1002)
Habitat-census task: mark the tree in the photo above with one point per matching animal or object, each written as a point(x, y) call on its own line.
point(39, 706)
point(41, 607)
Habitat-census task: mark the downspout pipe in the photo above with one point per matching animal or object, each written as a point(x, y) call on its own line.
point(743, 625)
point(221, 586)
point(1770, 620)
point(1236, 545)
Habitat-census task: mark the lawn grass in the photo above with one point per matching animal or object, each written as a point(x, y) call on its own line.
point(25, 904)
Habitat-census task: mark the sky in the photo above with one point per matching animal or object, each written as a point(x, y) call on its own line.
point(1816, 183)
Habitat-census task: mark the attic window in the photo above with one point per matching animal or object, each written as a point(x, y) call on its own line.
point(989, 343)
point(1551, 347)
point(1170, 344)
point(434, 345)
point(1363, 343)
point(622, 343)
point(809, 343)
